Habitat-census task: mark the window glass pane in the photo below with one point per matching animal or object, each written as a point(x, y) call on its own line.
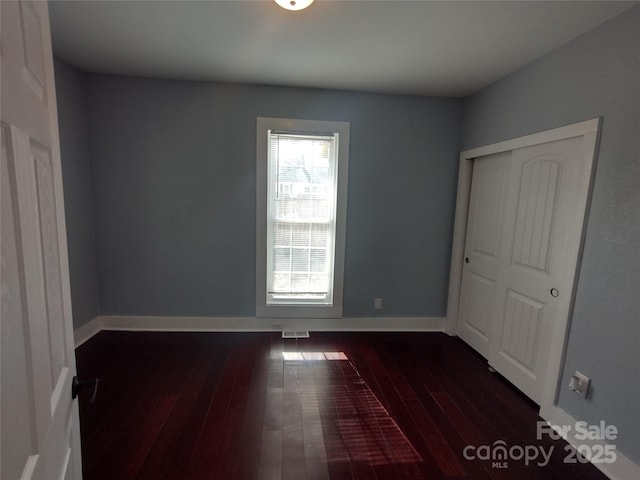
point(302, 190)
point(301, 233)
point(282, 260)
point(299, 282)
point(318, 260)
point(319, 235)
point(282, 282)
point(318, 283)
point(300, 260)
point(301, 215)
point(282, 233)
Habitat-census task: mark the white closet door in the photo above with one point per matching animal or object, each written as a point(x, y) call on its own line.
point(482, 249)
point(541, 230)
point(523, 236)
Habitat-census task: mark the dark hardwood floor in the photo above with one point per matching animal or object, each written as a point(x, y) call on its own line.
point(195, 406)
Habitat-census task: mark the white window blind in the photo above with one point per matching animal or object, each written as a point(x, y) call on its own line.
point(301, 217)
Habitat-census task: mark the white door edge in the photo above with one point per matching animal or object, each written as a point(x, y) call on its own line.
point(588, 129)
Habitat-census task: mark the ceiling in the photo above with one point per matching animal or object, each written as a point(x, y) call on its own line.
point(444, 48)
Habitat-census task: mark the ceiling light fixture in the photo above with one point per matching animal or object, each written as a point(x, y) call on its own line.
point(294, 4)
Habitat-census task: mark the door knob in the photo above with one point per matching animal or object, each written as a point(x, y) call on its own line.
point(554, 292)
point(466, 259)
point(77, 385)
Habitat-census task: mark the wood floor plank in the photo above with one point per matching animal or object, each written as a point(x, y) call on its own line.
point(168, 451)
point(124, 419)
point(272, 436)
point(293, 465)
point(400, 414)
point(315, 455)
point(338, 459)
point(374, 406)
point(247, 462)
point(177, 464)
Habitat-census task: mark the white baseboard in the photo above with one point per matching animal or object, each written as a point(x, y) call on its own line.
point(254, 324)
point(86, 331)
point(621, 469)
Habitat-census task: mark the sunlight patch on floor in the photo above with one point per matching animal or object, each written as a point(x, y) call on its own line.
point(358, 426)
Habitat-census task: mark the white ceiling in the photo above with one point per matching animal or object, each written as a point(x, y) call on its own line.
point(445, 48)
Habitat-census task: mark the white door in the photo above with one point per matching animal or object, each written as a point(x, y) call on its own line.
point(39, 420)
point(482, 249)
point(543, 221)
point(524, 287)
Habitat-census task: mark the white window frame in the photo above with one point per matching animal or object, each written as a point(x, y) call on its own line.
point(296, 309)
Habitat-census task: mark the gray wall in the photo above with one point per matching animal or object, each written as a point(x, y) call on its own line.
point(174, 186)
point(175, 179)
point(78, 192)
point(597, 75)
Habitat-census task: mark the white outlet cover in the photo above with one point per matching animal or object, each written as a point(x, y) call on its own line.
point(579, 383)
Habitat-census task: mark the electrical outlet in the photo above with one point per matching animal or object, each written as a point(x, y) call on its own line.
point(377, 303)
point(579, 383)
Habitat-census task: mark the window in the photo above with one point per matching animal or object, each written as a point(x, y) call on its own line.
point(301, 214)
